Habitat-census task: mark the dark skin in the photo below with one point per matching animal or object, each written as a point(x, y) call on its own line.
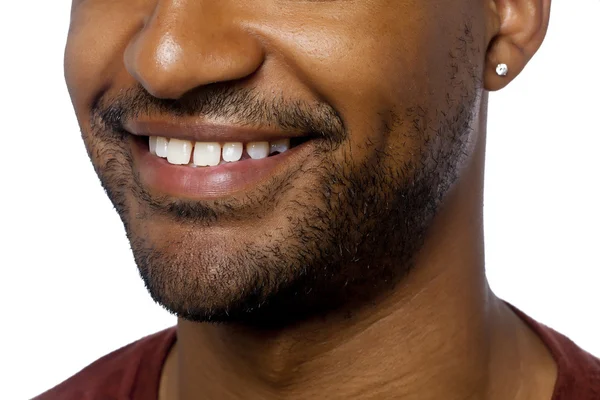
point(406, 311)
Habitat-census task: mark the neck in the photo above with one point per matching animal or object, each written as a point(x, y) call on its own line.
point(440, 325)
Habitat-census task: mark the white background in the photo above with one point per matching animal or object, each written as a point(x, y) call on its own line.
point(70, 292)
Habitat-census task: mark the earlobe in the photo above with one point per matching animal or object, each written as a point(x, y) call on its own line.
point(502, 51)
point(521, 28)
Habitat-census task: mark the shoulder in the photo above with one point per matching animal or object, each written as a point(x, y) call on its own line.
point(578, 371)
point(114, 376)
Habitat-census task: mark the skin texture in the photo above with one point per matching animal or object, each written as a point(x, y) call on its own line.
point(359, 272)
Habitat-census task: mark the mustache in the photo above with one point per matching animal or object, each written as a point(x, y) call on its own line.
point(237, 105)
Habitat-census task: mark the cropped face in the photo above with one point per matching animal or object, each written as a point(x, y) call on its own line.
point(275, 157)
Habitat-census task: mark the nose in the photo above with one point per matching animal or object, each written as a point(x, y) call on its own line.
point(190, 43)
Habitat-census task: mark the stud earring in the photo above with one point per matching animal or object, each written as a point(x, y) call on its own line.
point(501, 69)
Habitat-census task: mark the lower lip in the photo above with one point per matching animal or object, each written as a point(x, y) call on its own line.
point(211, 182)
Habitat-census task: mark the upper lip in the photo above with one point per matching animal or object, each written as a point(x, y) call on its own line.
point(196, 131)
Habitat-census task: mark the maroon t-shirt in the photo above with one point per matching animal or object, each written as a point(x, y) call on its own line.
point(133, 372)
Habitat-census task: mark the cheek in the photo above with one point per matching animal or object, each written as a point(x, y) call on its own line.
point(98, 36)
point(371, 63)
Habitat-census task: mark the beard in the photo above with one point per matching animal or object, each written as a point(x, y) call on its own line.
point(334, 233)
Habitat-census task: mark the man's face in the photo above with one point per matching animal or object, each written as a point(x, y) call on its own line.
point(379, 96)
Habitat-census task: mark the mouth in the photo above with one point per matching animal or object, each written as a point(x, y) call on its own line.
point(208, 164)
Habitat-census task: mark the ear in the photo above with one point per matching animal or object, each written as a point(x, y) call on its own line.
point(516, 31)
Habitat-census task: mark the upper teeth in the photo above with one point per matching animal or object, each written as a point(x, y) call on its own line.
point(180, 152)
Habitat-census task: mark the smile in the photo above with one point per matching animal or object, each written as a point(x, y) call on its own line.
point(210, 162)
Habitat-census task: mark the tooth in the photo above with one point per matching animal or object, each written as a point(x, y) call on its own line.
point(232, 151)
point(280, 145)
point(257, 150)
point(162, 147)
point(207, 154)
point(152, 144)
point(179, 151)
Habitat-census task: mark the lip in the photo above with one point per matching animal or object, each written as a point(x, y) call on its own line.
point(211, 183)
point(198, 131)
